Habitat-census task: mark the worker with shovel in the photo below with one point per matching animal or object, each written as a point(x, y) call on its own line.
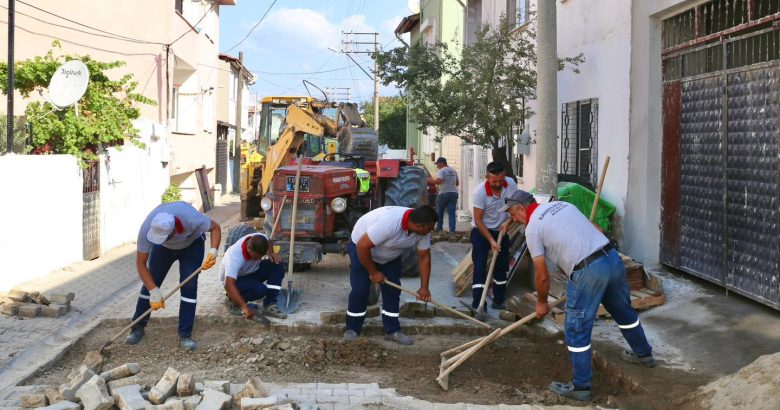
point(378, 240)
point(247, 276)
point(172, 232)
point(560, 232)
point(489, 219)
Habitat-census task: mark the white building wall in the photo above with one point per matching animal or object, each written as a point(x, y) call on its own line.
point(42, 216)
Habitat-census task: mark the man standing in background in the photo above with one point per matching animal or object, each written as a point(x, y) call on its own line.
point(447, 179)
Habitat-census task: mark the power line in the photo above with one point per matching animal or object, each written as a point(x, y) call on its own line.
point(196, 24)
point(90, 27)
point(253, 28)
point(307, 73)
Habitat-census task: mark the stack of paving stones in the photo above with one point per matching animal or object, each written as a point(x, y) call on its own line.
point(90, 389)
point(443, 236)
point(32, 304)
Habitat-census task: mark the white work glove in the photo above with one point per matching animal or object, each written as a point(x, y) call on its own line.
point(156, 299)
point(211, 259)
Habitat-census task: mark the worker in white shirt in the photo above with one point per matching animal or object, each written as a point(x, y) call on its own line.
point(248, 277)
point(378, 240)
point(560, 232)
point(172, 232)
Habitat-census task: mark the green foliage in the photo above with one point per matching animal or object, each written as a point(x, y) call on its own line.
point(171, 194)
point(105, 112)
point(19, 135)
point(481, 95)
point(392, 120)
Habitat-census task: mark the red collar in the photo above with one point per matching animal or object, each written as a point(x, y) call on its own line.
point(244, 251)
point(489, 191)
point(529, 211)
point(179, 226)
point(405, 220)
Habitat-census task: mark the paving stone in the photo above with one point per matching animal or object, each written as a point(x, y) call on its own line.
point(333, 317)
point(286, 406)
point(185, 386)
point(63, 298)
point(214, 400)
point(341, 392)
point(507, 315)
point(63, 405)
point(329, 398)
point(129, 397)
point(255, 388)
point(40, 299)
point(53, 395)
point(120, 372)
point(189, 402)
point(332, 386)
point(77, 378)
point(235, 388)
point(10, 308)
point(358, 400)
point(54, 310)
point(372, 311)
point(165, 388)
point(256, 403)
point(174, 404)
point(94, 395)
point(29, 310)
point(127, 381)
point(33, 400)
point(18, 296)
point(94, 361)
point(218, 385)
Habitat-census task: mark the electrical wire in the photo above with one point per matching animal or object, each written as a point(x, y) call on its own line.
point(253, 28)
point(307, 73)
point(214, 4)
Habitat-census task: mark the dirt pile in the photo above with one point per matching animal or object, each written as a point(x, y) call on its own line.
point(755, 387)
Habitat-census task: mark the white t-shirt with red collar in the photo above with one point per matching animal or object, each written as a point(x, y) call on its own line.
point(236, 261)
point(387, 229)
point(491, 203)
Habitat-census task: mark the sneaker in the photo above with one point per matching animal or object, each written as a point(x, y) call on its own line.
point(350, 336)
point(273, 311)
point(630, 357)
point(567, 390)
point(187, 343)
point(135, 336)
point(399, 338)
point(500, 306)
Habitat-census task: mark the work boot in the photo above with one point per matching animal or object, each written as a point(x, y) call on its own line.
point(567, 390)
point(187, 343)
point(135, 336)
point(630, 357)
point(399, 338)
point(273, 311)
point(350, 336)
point(501, 306)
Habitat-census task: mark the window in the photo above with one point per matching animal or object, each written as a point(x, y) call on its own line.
point(579, 141)
point(179, 6)
point(518, 9)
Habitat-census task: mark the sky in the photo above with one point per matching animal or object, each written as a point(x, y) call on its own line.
point(291, 43)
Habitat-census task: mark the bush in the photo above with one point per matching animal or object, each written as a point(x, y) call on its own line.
point(171, 194)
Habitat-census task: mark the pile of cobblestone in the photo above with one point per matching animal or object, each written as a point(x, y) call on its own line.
point(32, 304)
point(121, 387)
point(442, 236)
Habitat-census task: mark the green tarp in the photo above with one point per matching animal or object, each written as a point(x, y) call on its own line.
point(582, 198)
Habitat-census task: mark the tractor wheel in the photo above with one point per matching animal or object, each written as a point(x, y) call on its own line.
point(300, 267)
point(409, 264)
point(409, 189)
point(237, 232)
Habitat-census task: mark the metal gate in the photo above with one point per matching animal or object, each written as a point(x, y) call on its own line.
point(222, 157)
point(91, 211)
point(720, 175)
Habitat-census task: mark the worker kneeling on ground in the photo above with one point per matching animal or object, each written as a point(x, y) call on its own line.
point(172, 232)
point(559, 231)
point(378, 240)
point(248, 277)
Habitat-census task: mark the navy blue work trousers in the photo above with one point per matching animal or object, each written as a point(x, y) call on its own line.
point(361, 284)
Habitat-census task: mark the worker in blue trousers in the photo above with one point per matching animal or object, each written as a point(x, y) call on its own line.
point(560, 232)
point(172, 232)
point(379, 238)
point(489, 219)
point(251, 271)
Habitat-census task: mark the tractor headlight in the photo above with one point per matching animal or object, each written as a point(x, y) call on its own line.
point(338, 205)
point(266, 204)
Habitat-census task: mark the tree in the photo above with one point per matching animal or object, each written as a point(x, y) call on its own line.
point(392, 120)
point(105, 115)
point(481, 96)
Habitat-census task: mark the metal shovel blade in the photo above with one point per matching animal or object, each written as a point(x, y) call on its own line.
point(289, 299)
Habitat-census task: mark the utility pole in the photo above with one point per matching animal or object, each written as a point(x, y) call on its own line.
point(237, 141)
point(547, 98)
point(375, 77)
point(9, 149)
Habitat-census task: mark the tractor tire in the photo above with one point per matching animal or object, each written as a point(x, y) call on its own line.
point(237, 232)
point(409, 264)
point(409, 189)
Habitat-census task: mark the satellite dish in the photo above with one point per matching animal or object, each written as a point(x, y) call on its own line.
point(68, 84)
point(414, 6)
